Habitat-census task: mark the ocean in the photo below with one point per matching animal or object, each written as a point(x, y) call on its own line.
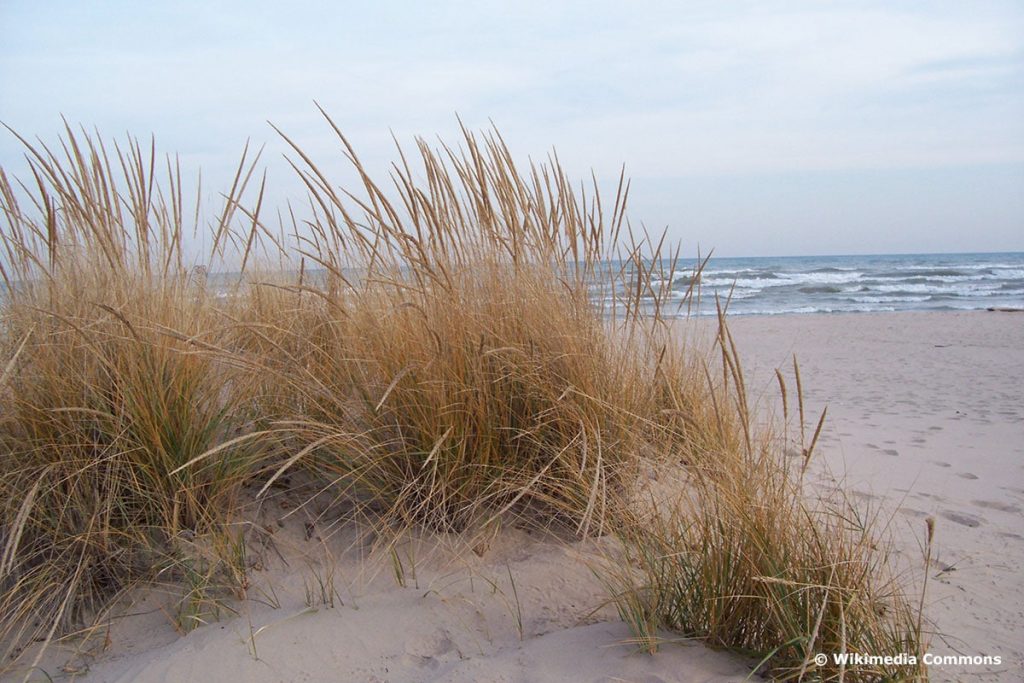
point(848, 284)
point(776, 285)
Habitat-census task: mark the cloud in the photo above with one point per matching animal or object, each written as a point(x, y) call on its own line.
point(675, 90)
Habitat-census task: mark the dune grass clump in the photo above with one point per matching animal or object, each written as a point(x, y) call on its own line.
point(747, 559)
point(773, 579)
point(456, 362)
point(112, 384)
point(464, 343)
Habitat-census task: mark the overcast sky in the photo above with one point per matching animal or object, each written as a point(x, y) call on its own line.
point(753, 128)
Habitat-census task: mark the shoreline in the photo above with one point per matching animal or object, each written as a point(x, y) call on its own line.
point(733, 316)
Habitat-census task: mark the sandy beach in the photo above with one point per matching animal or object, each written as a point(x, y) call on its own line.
point(926, 418)
point(499, 343)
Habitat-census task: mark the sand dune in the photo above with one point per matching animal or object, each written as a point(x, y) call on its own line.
point(926, 418)
point(529, 609)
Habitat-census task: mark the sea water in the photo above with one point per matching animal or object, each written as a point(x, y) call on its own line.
point(844, 284)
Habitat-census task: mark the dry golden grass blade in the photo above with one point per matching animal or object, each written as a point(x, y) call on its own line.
point(14, 358)
point(231, 443)
point(16, 530)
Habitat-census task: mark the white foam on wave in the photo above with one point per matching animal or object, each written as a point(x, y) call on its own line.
point(756, 283)
point(823, 278)
point(848, 308)
point(784, 279)
point(963, 289)
point(890, 299)
point(1011, 274)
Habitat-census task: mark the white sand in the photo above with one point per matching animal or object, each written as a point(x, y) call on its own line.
point(457, 619)
point(926, 417)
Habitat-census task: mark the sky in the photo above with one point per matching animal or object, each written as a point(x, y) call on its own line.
point(750, 128)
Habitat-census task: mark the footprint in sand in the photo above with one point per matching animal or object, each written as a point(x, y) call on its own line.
point(939, 463)
point(871, 445)
point(429, 651)
point(967, 475)
point(961, 518)
point(996, 505)
point(913, 513)
point(935, 428)
point(891, 451)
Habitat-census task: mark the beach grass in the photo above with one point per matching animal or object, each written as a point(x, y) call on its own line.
point(460, 344)
point(750, 559)
point(113, 383)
